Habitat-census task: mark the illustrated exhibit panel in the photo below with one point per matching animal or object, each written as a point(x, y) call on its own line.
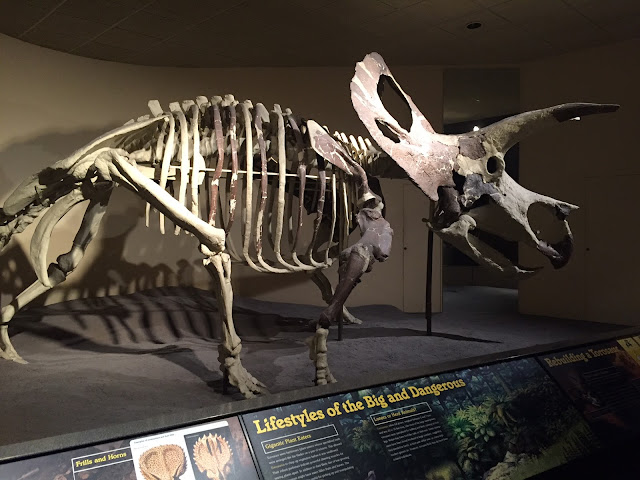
point(508, 420)
point(603, 381)
point(499, 421)
point(210, 451)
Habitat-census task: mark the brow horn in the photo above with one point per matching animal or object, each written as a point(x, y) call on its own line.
point(509, 131)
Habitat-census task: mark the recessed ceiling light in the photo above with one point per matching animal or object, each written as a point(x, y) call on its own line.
point(473, 25)
point(476, 128)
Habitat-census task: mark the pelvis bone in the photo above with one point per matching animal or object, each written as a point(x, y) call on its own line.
point(465, 174)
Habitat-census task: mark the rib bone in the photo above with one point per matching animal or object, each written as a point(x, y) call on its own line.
point(282, 179)
point(197, 161)
point(233, 139)
point(166, 160)
point(184, 155)
point(219, 139)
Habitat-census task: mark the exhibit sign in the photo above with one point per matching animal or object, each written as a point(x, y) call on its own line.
point(603, 381)
point(499, 421)
point(209, 451)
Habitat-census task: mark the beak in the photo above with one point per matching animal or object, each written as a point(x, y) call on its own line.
point(558, 253)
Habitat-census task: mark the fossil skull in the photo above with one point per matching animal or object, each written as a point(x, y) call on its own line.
point(465, 174)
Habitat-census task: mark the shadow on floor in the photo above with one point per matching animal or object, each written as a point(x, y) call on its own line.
point(110, 360)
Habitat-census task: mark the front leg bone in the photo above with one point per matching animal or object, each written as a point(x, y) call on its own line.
point(318, 355)
point(375, 244)
point(353, 263)
point(322, 282)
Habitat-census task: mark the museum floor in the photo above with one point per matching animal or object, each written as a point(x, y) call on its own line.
point(105, 361)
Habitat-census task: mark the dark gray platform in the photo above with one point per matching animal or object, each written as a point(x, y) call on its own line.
point(106, 361)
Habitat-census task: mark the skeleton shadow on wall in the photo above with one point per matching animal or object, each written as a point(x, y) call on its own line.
point(110, 267)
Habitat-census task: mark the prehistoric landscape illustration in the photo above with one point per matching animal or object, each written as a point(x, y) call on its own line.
point(602, 382)
point(265, 169)
point(509, 421)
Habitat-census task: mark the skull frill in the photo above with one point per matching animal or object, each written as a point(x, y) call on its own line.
point(465, 174)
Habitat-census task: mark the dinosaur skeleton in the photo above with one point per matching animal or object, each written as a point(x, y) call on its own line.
point(272, 163)
point(285, 165)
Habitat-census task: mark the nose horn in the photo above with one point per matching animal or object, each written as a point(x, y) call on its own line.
point(509, 131)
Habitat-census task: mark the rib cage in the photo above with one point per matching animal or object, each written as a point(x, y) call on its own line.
point(260, 162)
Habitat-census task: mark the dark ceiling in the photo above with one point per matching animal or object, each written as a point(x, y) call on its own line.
point(241, 33)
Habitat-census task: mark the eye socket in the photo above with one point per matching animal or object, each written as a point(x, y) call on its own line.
point(459, 182)
point(394, 102)
point(492, 165)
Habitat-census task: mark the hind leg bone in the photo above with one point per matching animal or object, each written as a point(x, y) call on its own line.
point(7, 351)
point(115, 165)
point(57, 273)
point(219, 267)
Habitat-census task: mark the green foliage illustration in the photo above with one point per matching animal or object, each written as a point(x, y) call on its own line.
point(511, 426)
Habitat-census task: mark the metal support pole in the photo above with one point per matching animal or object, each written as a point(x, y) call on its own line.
point(428, 304)
point(429, 290)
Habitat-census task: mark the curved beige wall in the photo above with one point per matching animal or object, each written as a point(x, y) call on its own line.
point(53, 103)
